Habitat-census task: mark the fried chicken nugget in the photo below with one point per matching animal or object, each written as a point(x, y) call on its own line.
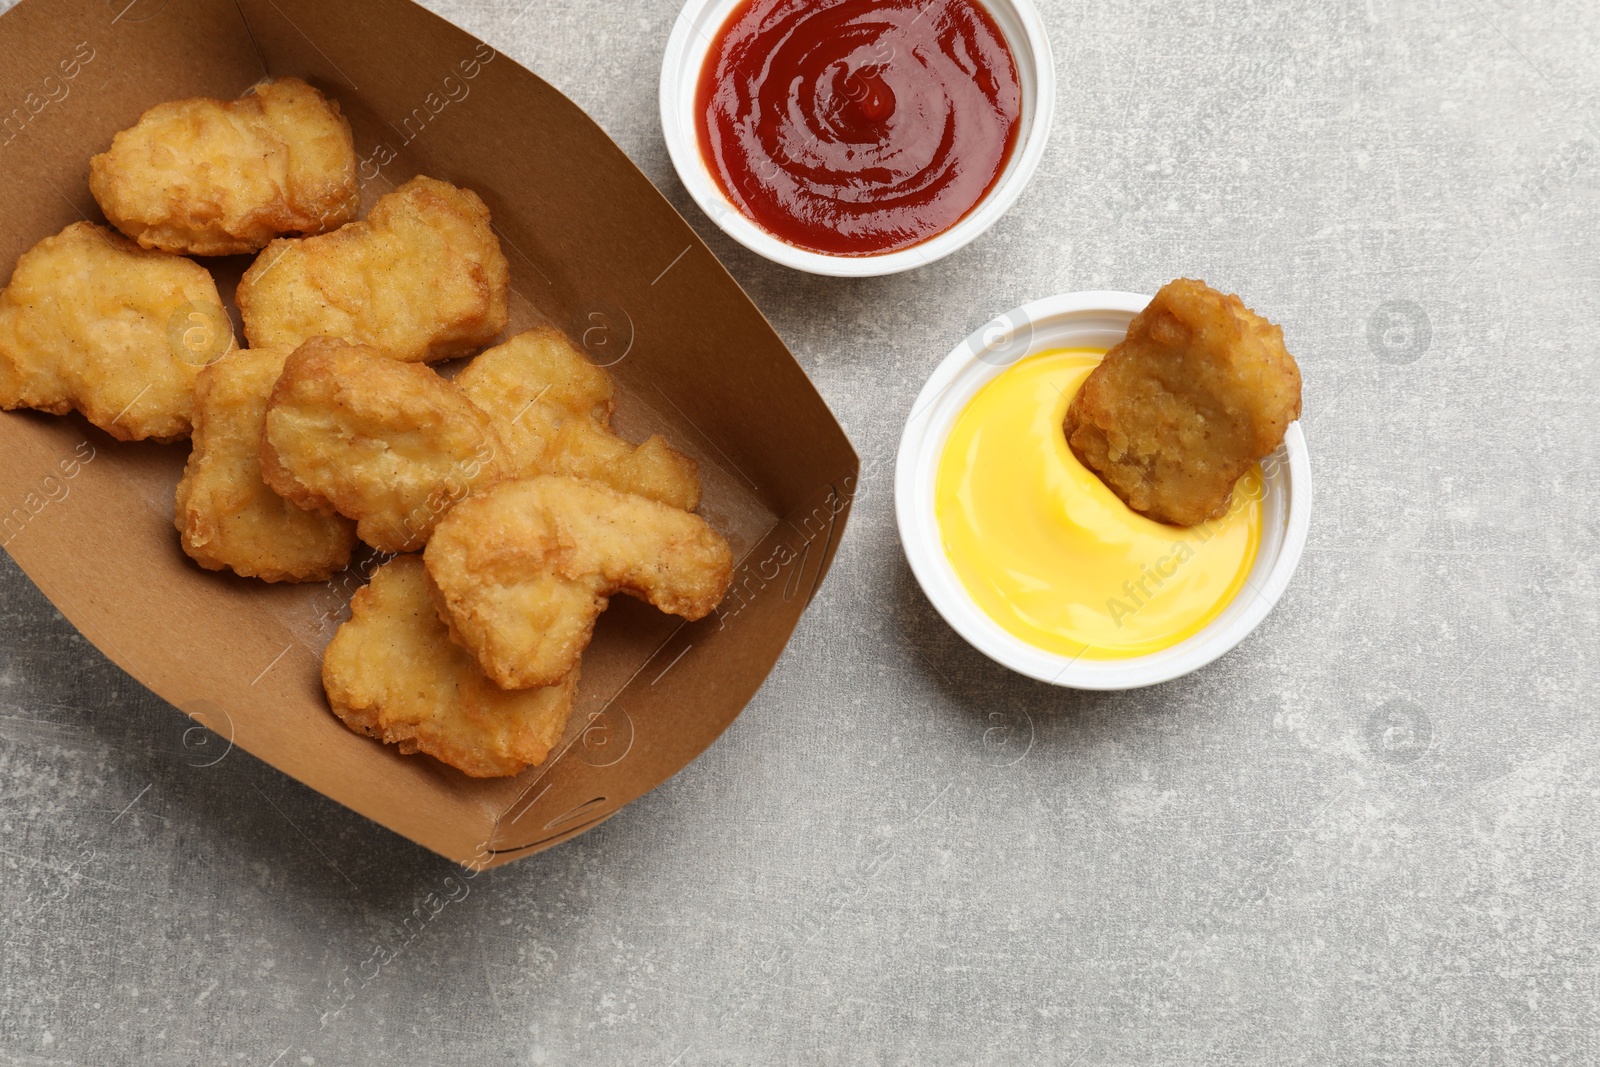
point(392, 673)
point(1200, 391)
point(93, 322)
point(227, 516)
point(389, 444)
point(523, 571)
point(422, 278)
point(221, 177)
point(553, 408)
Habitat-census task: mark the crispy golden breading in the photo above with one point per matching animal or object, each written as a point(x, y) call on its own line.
point(553, 408)
point(215, 178)
point(422, 278)
point(389, 444)
point(1201, 390)
point(227, 516)
point(524, 570)
point(95, 323)
point(392, 673)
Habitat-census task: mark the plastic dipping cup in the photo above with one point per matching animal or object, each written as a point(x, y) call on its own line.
point(1094, 320)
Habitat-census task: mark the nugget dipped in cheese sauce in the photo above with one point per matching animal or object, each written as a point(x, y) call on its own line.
point(1200, 391)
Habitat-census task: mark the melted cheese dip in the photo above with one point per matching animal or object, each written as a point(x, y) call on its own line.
point(1054, 556)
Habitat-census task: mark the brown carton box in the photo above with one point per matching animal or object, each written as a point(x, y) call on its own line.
point(594, 249)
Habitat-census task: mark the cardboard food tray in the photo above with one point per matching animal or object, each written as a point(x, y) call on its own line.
point(594, 249)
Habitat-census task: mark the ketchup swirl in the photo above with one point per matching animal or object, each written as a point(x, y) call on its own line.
point(858, 127)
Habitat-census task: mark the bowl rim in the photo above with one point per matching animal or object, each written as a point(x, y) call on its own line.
point(680, 76)
point(976, 361)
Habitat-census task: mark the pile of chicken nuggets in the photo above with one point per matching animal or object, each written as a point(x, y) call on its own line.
point(511, 508)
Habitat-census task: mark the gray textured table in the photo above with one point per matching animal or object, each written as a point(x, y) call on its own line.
point(1367, 835)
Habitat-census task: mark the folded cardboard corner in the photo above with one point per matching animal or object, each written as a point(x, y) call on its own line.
point(594, 249)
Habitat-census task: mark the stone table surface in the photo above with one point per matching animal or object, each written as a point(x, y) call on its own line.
point(1367, 835)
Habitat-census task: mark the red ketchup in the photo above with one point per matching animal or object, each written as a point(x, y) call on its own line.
point(857, 127)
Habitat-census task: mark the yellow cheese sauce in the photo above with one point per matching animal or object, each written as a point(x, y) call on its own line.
point(1054, 556)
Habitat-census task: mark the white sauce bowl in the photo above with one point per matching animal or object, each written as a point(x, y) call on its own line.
point(691, 41)
point(1078, 320)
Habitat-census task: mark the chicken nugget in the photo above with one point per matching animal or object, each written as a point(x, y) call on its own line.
point(523, 571)
point(1199, 392)
point(222, 177)
point(553, 408)
point(422, 278)
point(94, 323)
point(389, 444)
point(392, 673)
point(227, 515)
